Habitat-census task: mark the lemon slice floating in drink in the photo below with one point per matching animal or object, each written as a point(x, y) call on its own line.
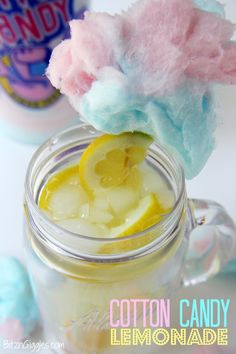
point(147, 213)
point(112, 160)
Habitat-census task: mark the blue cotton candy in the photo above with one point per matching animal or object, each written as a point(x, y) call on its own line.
point(16, 298)
point(210, 6)
point(230, 267)
point(183, 121)
point(112, 107)
point(186, 125)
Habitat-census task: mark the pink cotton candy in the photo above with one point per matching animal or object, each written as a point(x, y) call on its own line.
point(94, 40)
point(208, 52)
point(156, 43)
point(64, 75)
point(75, 63)
point(169, 40)
point(157, 31)
point(12, 330)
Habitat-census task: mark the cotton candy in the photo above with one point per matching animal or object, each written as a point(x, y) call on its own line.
point(18, 310)
point(210, 6)
point(151, 69)
point(110, 107)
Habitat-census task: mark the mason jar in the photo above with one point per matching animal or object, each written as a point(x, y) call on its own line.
point(75, 277)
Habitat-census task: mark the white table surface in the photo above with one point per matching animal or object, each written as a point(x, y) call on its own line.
point(217, 180)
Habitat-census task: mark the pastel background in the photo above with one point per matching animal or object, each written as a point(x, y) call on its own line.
point(216, 181)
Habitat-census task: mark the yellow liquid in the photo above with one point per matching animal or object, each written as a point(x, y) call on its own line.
point(75, 294)
point(119, 211)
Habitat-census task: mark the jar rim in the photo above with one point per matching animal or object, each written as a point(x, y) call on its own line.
point(34, 211)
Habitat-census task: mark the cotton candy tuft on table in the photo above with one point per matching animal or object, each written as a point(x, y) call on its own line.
point(19, 314)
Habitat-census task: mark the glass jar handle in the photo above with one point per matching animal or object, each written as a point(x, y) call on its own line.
point(212, 241)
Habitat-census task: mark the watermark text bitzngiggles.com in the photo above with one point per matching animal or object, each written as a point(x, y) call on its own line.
point(32, 347)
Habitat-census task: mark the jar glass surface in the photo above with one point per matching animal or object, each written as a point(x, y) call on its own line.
point(75, 277)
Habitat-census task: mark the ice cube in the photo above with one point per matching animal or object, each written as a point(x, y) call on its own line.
point(81, 227)
point(122, 199)
point(100, 216)
point(154, 183)
point(66, 201)
point(84, 211)
point(102, 203)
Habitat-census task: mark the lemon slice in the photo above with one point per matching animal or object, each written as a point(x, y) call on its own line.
point(55, 182)
point(62, 195)
point(147, 213)
point(112, 160)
